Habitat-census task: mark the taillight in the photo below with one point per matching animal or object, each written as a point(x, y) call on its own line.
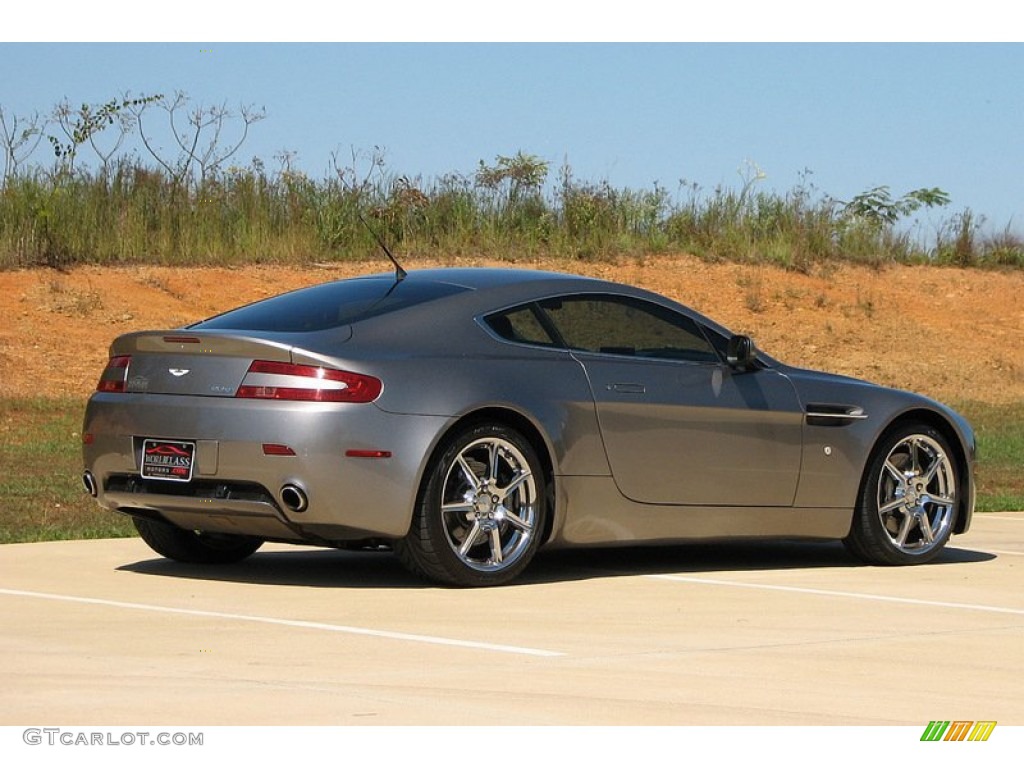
point(115, 375)
point(267, 380)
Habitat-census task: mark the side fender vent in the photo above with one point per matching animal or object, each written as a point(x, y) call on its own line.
point(833, 415)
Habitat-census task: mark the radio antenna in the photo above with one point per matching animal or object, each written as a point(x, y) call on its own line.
point(400, 273)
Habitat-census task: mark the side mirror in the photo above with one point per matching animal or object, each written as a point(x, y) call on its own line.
point(741, 354)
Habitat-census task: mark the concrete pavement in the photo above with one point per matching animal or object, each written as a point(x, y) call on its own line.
point(106, 632)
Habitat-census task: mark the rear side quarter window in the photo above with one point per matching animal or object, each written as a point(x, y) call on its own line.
point(522, 326)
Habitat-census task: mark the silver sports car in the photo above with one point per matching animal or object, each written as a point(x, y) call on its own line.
point(467, 417)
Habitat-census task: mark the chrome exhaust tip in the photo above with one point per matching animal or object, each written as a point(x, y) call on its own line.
point(294, 498)
point(90, 484)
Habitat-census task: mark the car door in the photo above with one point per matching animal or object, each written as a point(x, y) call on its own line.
point(680, 426)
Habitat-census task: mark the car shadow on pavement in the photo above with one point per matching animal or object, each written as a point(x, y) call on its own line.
point(300, 568)
point(710, 558)
point(330, 568)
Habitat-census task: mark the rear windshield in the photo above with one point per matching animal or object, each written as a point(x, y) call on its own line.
point(321, 307)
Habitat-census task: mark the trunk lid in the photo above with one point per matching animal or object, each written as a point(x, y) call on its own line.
point(198, 364)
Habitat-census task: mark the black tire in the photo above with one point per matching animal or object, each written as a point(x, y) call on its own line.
point(481, 510)
point(909, 498)
point(195, 547)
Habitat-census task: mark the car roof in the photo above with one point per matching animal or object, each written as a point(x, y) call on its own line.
point(482, 278)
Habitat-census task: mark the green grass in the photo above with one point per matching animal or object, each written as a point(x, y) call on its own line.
point(133, 214)
point(1000, 469)
point(41, 495)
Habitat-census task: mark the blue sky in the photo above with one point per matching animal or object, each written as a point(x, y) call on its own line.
point(856, 115)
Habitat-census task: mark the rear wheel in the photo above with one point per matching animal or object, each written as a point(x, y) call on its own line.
point(194, 546)
point(908, 501)
point(481, 512)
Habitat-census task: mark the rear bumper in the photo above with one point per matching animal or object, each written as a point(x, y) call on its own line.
point(200, 505)
point(236, 488)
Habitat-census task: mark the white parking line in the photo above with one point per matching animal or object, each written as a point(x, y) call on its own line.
point(836, 593)
point(289, 623)
point(1001, 551)
point(1000, 517)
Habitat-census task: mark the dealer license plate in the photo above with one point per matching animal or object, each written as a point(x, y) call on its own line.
point(168, 460)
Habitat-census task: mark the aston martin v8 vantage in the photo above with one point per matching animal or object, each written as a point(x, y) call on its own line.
point(467, 417)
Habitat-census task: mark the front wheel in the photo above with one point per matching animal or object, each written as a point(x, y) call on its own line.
point(908, 501)
point(194, 546)
point(481, 513)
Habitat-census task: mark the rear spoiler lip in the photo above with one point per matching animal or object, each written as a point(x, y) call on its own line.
point(277, 347)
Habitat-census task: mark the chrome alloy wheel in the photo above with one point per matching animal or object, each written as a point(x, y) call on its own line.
point(917, 495)
point(489, 504)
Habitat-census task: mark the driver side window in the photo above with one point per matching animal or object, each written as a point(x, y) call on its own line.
point(621, 325)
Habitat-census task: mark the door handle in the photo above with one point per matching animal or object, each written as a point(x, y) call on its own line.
point(627, 388)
